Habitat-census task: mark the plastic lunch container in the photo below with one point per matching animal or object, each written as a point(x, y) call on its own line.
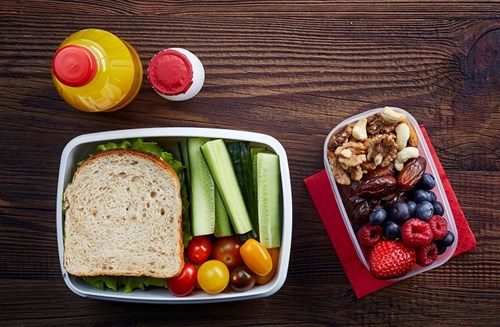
point(438, 190)
point(80, 147)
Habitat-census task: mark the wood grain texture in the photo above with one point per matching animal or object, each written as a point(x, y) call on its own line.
point(291, 70)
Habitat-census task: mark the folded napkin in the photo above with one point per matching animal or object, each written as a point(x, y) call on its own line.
point(362, 281)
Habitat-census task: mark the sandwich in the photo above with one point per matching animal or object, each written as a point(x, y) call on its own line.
point(123, 217)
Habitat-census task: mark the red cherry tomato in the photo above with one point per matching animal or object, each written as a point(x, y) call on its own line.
point(199, 249)
point(227, 250)
point(184, 283)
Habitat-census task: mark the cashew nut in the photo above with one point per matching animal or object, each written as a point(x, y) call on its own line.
point(403, 156)
point(389, 115)
point(359, 130)
point(402, 135)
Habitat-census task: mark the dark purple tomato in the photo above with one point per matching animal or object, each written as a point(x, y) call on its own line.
point(241, 279)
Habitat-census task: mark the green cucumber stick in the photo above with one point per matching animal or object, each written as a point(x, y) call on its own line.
point(254, 152)
point(241, 157)
point(202, 189)
point(221, 167)
point(222, 223)
point(269, 199)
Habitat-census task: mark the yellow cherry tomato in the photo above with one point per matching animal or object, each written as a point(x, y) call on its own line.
point(275, 255)
point(213, 276)
point(256, 257)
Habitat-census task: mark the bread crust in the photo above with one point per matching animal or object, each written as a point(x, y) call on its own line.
point(101, 267)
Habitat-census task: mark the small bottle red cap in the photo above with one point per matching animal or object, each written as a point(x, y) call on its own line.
point(170, 72)
point(74, 65)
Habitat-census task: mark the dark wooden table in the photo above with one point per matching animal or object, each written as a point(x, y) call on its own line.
point(289, 70)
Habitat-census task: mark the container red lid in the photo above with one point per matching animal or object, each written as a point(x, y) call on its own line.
point(74, 65)
point(170, 72)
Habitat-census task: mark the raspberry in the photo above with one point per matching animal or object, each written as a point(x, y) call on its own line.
point(427, 254)
point(369, 235)
point(391, 259)
point(439, 227)
point(416, 233)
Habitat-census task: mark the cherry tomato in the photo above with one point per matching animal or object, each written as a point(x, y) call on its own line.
point(199, 249)
point(275, 255)
point(256, 257)
point(241, 279)
point(184, 283)
point(227, 250)
point(213, 276)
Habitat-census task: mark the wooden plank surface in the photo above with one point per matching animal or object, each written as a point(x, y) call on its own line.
point(289, 69)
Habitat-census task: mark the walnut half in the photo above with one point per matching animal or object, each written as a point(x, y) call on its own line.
point(341, 136)
point(382, 149)
point(377, 125)
point(351, 154)
point(338, 171)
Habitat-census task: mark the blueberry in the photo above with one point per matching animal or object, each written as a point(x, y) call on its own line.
point(447, 240)
point(399, 212)
point(392, 230)
point(411, 206)
point(441, 248)
point(432, 197)
point(424, 210)
point(420, 195)
point(377, 216)
point(438, 208)
point(427, 182)
point(355, 227)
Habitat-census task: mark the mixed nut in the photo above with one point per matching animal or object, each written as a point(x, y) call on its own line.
point(387, 194)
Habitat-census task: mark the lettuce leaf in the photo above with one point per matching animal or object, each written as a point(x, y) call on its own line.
point(131, 283)
point(125, 283)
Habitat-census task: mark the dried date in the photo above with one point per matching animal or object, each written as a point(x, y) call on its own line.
point(411, 173)
point(377, 187)
point(361, 212)
point(380, 171)
point(395, 197)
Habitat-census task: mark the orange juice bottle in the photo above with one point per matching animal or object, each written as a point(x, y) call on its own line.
point(93, 70)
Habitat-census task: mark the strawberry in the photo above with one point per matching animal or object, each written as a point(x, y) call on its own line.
point(427, 254)
point(369, 235)
point(391, 259)
point(439, 227)
point(416, 233)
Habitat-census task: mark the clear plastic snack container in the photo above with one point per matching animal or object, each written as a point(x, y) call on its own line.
point(81, 146)
point(430, 168)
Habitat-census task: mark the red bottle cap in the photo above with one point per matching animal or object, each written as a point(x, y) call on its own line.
point(74, 65)
point(170, 72)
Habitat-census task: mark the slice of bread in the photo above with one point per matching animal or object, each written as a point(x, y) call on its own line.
point(123, 217)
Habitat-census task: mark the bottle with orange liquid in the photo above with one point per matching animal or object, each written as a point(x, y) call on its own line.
point(93, 70)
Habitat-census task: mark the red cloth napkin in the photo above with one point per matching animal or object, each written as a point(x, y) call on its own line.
point(362, 281)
